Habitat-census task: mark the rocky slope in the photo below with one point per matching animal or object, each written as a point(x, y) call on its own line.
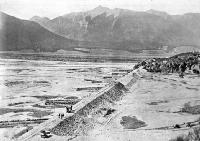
point(180, 63)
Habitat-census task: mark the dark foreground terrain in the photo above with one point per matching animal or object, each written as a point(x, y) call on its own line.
point(181, 63)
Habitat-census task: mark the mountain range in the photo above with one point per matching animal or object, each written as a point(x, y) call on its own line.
point(103, 28)
point(17, 34)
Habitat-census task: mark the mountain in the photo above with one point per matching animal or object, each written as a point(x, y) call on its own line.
point(40, 20)
point(17, 34)
point(158, 13)
point(102, 28)
point(131, 30)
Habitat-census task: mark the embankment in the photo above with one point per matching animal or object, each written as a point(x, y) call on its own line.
point(88, 111)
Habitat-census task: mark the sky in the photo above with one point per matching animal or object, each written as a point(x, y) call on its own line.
point(25, 9)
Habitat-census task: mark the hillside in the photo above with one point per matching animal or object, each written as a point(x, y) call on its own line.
point(17, 34)
point(130, 29)
point(102, 28)
point(40, 20)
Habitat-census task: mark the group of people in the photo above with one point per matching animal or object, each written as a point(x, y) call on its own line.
point(61, 115)
point(188, 124)
point(68, 110)
point(178, 64)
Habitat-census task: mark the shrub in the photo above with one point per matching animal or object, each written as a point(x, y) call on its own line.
point(193, 135)
point(180, 138)
point(191, 109)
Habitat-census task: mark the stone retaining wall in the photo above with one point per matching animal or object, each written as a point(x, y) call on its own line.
point(84, 118)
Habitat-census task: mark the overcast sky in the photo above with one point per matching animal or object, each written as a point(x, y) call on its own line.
point(25, 9)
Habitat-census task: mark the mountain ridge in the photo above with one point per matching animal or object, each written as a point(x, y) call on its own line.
point(17, 34)
point(102, 24)
point(41, 20)
point(101, 28)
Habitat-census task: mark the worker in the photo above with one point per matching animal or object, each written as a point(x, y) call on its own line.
point(69, 109)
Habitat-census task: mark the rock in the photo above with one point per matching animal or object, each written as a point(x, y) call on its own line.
point(196, 68)
point(175, 64)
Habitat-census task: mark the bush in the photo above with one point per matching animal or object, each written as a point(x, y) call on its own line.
point(191, 109)
point(194, 135)
point(180, 138)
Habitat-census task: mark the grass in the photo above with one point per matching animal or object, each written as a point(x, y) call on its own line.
point(60, 57)
point(157, 102)
point(13, 83)
point(45, 97)
point(71, 97)
point(39, 114)
point(23, 132)
point(34, 113)
point(39, 106)
point(191, 109)
point(193, 135)
point(88, 89)
point(131, 122)
point(18, 103)
point(180, 138)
